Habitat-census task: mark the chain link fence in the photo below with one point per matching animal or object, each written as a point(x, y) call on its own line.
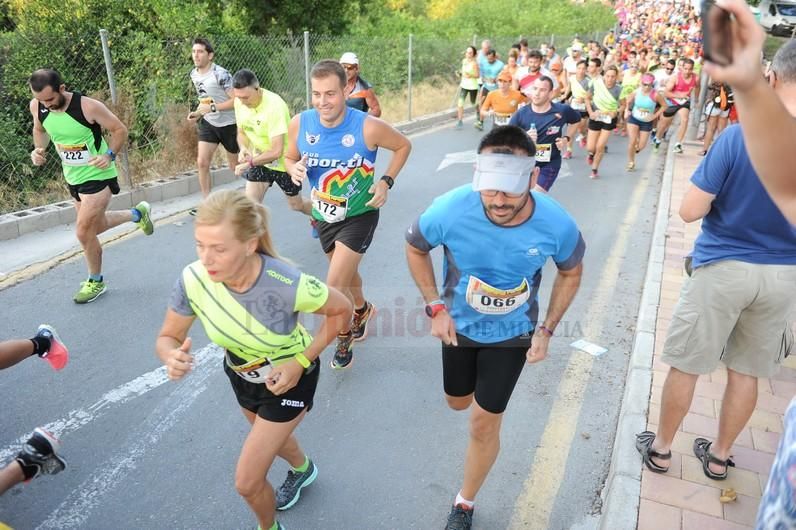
point(153, 94)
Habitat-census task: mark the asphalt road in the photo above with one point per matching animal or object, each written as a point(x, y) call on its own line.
point(147, 453)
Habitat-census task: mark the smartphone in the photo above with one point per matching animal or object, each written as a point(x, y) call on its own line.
point(716, 33)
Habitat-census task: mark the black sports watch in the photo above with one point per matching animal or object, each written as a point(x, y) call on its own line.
point(389, 180)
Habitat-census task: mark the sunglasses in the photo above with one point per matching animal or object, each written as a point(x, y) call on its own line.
point(350, 66)
point(493, 193)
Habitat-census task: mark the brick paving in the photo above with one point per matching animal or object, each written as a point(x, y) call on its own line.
point(684, 498)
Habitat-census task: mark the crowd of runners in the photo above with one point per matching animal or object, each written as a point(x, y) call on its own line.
point(637, 83)
point(641, 82)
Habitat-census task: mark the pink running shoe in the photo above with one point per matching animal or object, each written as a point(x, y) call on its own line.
point(567, 155)
point(57, 355)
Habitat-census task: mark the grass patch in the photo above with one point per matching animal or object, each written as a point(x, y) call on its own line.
point(430, 96)
point(772, 45)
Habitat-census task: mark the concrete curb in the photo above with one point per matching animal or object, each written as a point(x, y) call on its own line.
point(16, 224)
point(622, 492)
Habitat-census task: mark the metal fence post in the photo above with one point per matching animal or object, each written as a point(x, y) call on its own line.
point(552, 39)
point(475, 38)
point(307, 65)
point(106, 53)
point(409, 78)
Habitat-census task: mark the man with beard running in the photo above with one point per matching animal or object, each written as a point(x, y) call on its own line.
point(74, 124)
point(488, 317)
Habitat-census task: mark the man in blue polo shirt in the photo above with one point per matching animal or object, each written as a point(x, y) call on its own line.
point(545, 122)
point(488, 312)
point(737, 306)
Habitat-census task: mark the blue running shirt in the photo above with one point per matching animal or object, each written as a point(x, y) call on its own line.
point(491, 273)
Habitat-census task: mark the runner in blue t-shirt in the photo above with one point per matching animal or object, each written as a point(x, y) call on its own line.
point(490, 67)
point(487, 314)
point(545, 121)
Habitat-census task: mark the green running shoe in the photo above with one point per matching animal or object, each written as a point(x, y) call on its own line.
point(89, 291)
point(145, 223)
point(289, 492)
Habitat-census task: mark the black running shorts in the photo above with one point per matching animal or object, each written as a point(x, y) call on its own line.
point(354, 232)
point(489, 370)
point(674, 109)
point(281, 178)
point(256, 397)
point(596, 125)
point(226, 136)
point(90, 187)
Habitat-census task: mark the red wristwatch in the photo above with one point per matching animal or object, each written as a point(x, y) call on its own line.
point(435, 307)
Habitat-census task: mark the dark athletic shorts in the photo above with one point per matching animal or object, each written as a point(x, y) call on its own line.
point(91, 187)
point(489, 370)
point(672, 110)
point(548, 173)
point(256, 397)
point(644, 126)
point(354, 232)
point(595, 125)
point(266, 174)
point(226, 136)
point(583, 114)
point(464, 92)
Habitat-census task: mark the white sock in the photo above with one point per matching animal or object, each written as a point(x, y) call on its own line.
point(464, 502)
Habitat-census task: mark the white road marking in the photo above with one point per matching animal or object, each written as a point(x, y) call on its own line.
point(78, 505)
point(139, 386)
point(461, 157)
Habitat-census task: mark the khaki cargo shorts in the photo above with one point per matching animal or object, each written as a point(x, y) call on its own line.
point(735, 312)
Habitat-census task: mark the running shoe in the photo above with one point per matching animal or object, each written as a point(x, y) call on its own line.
point(590, 159)
point(593, 174)
point(459, 125)
point(583, 142)
point(192, 212)
point(678, 148)
point(460, 518)
point(359, 326)
point(343, 355)
point(567, 154)
point(289, 492)
point(57, 355)
point(479, 125)
point(279, 526)
point(40, 454)
point(145, 223)
point(314, 228)
point(631, 166)
point(89, 291)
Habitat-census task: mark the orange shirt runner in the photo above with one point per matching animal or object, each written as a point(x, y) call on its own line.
point(501, 104)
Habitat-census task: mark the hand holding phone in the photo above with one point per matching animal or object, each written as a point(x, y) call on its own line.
point(716, 33)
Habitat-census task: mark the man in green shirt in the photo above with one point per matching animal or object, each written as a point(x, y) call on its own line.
point(74, 123)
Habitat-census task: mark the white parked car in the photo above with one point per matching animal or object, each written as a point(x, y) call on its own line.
point(778, 17)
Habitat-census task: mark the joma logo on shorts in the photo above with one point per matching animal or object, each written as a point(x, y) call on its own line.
point(292, 403)
point(275, 275)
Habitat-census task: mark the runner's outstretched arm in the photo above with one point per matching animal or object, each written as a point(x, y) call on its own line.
point(768, 127)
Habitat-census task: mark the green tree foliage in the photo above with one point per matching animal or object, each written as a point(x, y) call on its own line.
point(494, 18)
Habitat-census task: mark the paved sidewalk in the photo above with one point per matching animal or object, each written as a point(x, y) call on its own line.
point(684, 498)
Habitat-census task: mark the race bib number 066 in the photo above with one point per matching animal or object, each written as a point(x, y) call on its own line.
point(490, 300)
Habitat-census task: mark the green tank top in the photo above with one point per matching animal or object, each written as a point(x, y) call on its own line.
point(76, 141)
